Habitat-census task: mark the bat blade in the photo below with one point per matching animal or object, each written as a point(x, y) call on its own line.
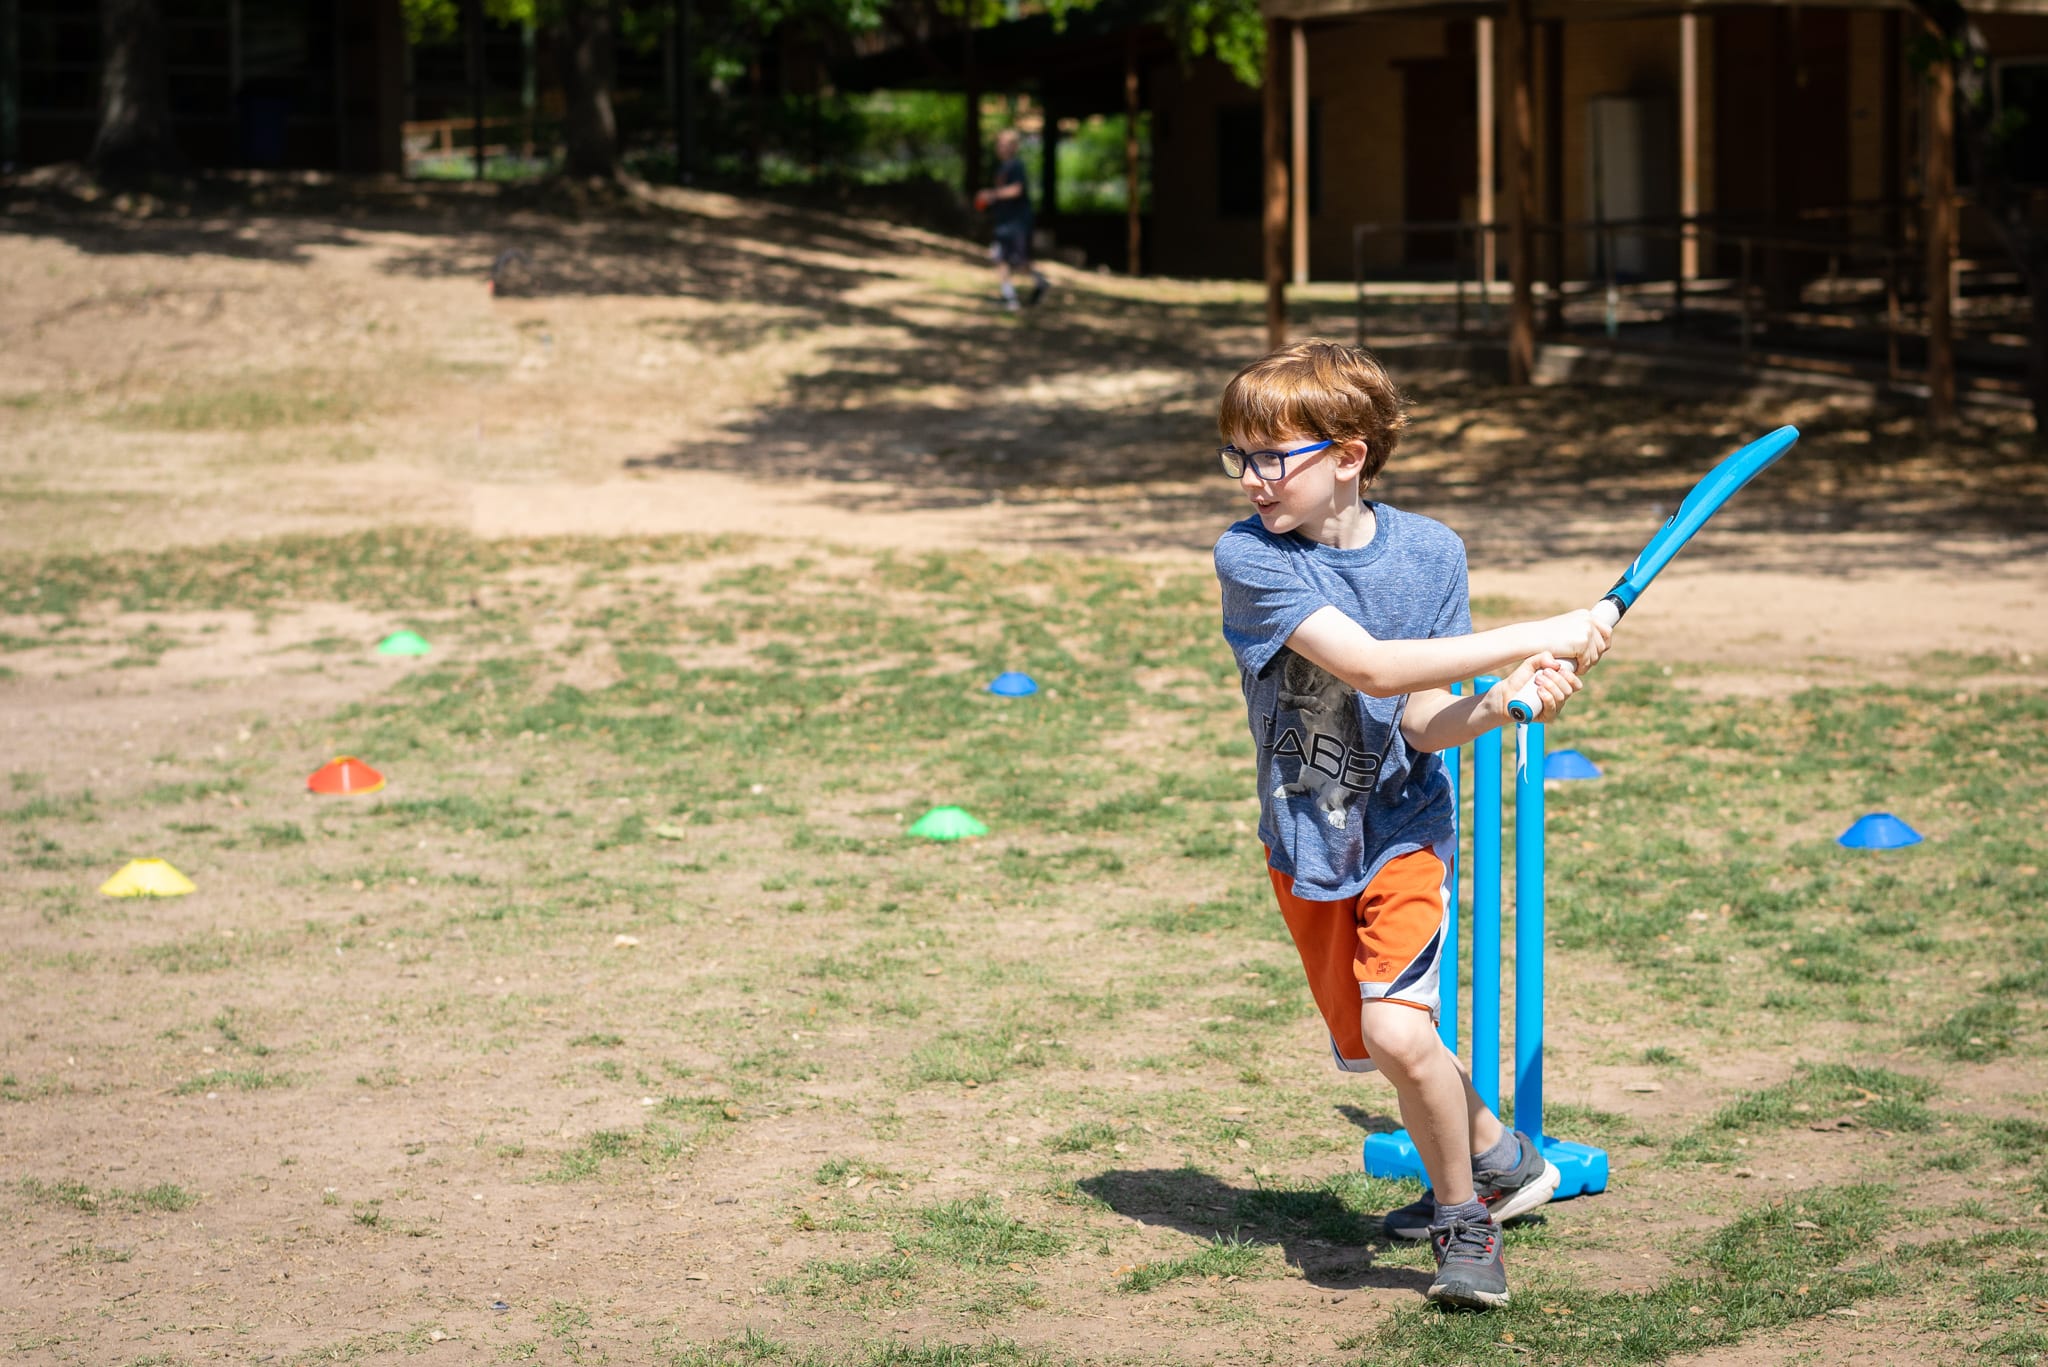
point(1704, 500)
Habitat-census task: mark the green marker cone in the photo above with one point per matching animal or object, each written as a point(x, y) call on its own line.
point(403, 643)
point(947, 823)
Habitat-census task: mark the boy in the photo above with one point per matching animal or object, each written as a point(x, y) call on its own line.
point(1349, 621)
point(1009, 210)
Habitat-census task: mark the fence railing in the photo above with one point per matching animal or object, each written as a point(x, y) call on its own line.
point(1748, 279)
point(427, 140)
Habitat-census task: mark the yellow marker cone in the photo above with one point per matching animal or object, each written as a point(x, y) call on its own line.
point(148, 878)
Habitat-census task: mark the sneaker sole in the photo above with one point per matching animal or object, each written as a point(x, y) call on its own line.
point(1468, 1298)
point(1537, 1193)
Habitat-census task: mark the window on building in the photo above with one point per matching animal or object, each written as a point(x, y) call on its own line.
point(2022, 105)
point(1240, 159)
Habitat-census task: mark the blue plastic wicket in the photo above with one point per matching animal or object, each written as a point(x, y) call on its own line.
point(1583, 1168)
point(1485, 914)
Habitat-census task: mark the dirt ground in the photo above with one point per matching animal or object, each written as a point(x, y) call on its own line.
point(722, 366)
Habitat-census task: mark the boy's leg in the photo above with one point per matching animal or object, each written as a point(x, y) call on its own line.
point(1432, 1091)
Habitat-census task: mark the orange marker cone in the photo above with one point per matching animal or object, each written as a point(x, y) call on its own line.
point(347, 776)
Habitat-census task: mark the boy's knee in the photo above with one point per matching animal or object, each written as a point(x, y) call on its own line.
point(1400, 1038)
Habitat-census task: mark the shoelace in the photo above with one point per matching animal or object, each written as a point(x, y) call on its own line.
point(1467, 1241)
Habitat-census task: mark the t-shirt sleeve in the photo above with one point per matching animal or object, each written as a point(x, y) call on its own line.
point(1264, 600)
point(1454, 618)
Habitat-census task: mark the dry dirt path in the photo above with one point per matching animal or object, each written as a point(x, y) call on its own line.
point(720, 365)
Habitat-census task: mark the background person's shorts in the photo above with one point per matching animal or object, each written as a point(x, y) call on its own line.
point(1383, 945)
point(1013, 245)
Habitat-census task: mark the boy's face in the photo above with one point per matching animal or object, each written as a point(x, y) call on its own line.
point(1006, 145)
point(1315, 486)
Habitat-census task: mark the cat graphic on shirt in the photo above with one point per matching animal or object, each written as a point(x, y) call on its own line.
point(1329, 721)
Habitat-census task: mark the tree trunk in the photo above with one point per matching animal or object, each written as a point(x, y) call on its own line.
point(583, 62)
point(2005, 205)
point(1274, 223)
point(134, 139)
point(2037, 351)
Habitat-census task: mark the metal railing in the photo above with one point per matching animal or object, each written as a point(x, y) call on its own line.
point(1760, 278)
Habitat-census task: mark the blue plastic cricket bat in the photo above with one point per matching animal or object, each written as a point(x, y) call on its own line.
point(1701, 504)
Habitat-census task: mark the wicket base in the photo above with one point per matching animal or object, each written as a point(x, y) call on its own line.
point(1583, 1167)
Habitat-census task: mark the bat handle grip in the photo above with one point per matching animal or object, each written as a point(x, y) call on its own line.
point(1524, 706)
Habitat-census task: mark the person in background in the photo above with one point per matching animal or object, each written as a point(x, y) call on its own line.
point(1008, 205)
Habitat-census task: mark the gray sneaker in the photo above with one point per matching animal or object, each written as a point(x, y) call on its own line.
point(1531, 1182)
point(1412, 1221)
point(1469, 1271)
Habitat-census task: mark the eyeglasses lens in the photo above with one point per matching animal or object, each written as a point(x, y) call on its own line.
point(1266, 464)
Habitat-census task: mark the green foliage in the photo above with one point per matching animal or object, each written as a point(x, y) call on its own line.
point(1232, 31)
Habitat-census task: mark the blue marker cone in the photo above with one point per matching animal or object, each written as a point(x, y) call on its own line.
point(1878, 831)
point(1013, 685)
point(1569, 764)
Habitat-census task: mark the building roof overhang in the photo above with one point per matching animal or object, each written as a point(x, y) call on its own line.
point(1592, 10)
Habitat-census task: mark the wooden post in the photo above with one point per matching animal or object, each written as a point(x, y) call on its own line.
point(1134, 229)
point(1049, 168)
point(1521, 194)
point(1553, 170)
point(1688, 145)
point(1483, 207)
point(1892, 188)
point(970, 114)
point(473, 31)
point(1275, 219)
point(1938, 197)
point(10, 88)
point(1297, 81)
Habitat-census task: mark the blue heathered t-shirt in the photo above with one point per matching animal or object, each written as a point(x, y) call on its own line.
point(1340, 791)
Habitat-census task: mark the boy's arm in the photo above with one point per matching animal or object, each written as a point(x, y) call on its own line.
point(1435, 719)
point(1386, 669)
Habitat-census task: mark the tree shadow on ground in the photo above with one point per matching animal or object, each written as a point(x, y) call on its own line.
point(1333, 1246)
point(633, 240)
point(954, 408)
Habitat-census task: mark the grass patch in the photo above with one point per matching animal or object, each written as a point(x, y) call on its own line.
point(976, 1233)
point(1788, 1260)
point(252, 405)
point(1224, 1257)
point(975, 1057)
point(1875, 1096)
point(231, 1080)
point(1980, 1031)
point(165, 1196)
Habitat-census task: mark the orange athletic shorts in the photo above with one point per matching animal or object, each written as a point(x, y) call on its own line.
point(1383, 945)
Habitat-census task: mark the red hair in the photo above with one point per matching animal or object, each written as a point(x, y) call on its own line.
point(1320, 389)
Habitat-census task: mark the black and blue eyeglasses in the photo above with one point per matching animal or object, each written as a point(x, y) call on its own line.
point(1268, 465)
